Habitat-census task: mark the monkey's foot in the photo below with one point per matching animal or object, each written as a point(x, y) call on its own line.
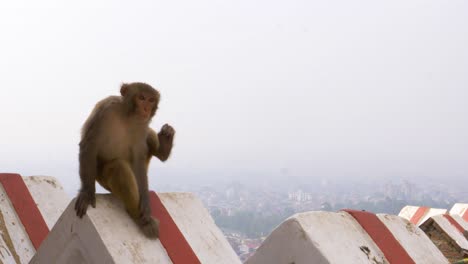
point(151, 228)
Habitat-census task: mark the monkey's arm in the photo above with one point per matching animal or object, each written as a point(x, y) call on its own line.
point(152, 142)
point(160, 145)
point(143, 190)
point(88, 172)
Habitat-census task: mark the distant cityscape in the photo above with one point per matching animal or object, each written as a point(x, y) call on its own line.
point(247, 213)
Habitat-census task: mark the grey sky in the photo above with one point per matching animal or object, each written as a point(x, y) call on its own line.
point(370, 88)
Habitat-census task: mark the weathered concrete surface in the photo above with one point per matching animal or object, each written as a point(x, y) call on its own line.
point(49, 196)
point(198, 228)
point(104, 235)
point(319, 238)
point(15, 244)
point(108, 235)
point(446, 232)
point(51, 200)
point(327, 237)
point(460, 209)
point(414, 240)
point(419, 214)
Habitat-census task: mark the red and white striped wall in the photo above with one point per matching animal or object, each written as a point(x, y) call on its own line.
point(29, 207)
point(107, 234)
point(460, 209)
point(452, 226)
point(419, 214)
point(347, 237)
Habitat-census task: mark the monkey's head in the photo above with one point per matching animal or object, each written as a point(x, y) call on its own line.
point(140, 99)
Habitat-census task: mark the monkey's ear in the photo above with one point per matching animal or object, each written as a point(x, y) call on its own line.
point(124, 89)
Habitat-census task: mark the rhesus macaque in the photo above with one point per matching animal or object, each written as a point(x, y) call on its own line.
point(116, 147)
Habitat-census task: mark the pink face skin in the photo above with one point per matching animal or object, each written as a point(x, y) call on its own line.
point(144, 104)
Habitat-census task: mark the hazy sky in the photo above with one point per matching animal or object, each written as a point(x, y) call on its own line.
point(315, 88)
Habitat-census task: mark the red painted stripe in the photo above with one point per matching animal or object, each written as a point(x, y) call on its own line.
point(25, 207)
point(454, 223)
point(384, 239)
point(419, 214)
point(465, 215)
point(170, 235)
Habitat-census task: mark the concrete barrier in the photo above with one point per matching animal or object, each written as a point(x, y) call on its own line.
point(460, 209)
point(419, 214)
point(446, 232)
point(107, 234)
point(29, 207)
point(347, 237)
point(413, 240)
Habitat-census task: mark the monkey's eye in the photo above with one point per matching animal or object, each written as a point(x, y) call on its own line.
point(141, 97)
point(152, 100)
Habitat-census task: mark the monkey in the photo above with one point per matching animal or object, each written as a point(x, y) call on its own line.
point(115, 150)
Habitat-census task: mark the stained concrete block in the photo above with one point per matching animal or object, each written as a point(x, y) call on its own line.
point(108, 235)
point(419, 214)
point(29, 207)
point(413, 239)
point(49, 196)
point(446, 232)
point(319, 238)
point(460, 209)
point(351, 237)
point(199, 228)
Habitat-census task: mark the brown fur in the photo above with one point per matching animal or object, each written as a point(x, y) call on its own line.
point(116, 147)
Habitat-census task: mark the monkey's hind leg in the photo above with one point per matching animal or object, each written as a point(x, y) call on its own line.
point(118, 178)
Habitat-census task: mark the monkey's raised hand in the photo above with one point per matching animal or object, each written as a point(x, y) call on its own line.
point(165, 139)
point(167, 131)
point(82, 201)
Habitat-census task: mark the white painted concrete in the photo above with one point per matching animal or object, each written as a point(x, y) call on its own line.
point(409, 211)
point(416, 243)
point(459, 209)
point(319, 238)
point(433, 212)
point(199, 229)
point(451, 231)
point(49, 196)
point(108, 235)
point(12, 230)
point(460, 221)
point(15, 245)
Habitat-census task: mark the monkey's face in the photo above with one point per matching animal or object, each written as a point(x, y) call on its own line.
point(145, 105)
point(140, 100)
